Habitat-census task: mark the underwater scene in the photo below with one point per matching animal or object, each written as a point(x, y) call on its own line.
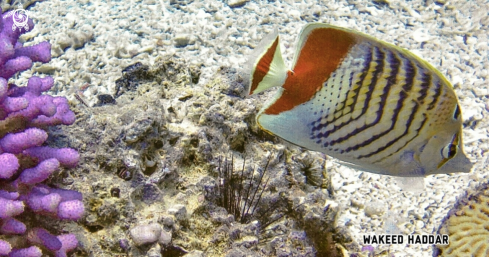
point(343, 128)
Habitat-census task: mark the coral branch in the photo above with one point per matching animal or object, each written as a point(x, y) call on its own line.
point(25, 163)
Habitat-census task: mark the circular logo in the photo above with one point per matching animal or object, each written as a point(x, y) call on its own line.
point(20, 17)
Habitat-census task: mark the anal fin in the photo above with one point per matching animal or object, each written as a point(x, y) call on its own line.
point(411, 184)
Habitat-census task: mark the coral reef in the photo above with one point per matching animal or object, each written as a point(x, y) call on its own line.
point(25, 161)
point(466, 226)
point(155, 163)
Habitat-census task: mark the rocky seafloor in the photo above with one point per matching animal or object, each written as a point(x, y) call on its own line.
point(152, 156)
point(153, 136)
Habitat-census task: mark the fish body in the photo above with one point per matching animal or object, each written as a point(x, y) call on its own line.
point(368, 103)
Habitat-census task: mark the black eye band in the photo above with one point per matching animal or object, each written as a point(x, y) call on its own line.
point(452, 151)
point(456, 113)
point(453, 145)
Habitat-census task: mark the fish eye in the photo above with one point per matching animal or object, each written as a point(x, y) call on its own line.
point(450, 150)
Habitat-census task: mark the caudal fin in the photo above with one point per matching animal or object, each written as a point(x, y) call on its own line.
point(266, 65)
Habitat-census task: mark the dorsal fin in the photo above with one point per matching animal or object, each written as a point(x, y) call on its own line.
point(266, 65)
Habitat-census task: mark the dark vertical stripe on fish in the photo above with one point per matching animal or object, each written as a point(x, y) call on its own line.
point(380, 56)
point(364, 72)
point(391, 80)
point(367, 65)
point(403, 146)
point(425, 86)
point(407, 87)
point(436, 96)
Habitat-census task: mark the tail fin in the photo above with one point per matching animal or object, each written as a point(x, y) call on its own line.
point(266, 66)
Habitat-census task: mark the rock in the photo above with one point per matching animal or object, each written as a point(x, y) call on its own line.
point(195, 253)
point(237, 3)
point(145, 234)
point(181, 2)
point(421, 35)
point(168, 221)
point(138, 130)
point(146, 194)
point(179, 211)
point(64, 41)
point(76, 39)
point(246, 242)
point(165, 237)
point(374, 208)
point(81, 38)
point(46, 69)
point(357, 203)
point(104, 99)
point(297, 238)
point(155, 251)
point(181, 40)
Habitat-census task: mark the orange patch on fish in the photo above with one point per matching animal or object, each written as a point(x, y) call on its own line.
point(319, 56)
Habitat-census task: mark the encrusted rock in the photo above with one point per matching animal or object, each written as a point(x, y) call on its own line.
point(374, 209)
point(237, 3)
point(179, 211)
point(182, 40)
point(145, 234)
point(165, 237)
point(195, 253)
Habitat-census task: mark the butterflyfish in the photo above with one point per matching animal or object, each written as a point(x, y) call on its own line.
point(372, 105)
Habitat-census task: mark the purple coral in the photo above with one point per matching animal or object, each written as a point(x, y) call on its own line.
point(25, 163)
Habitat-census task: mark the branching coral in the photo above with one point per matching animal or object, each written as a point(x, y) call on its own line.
point(24, 161)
